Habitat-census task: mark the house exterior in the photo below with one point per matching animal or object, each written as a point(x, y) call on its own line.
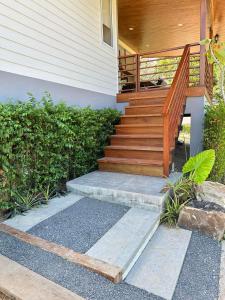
point(58, 46)
point(70, 48)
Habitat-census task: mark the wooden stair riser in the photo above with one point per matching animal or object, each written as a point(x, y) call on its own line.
point(132, 169)
point(137, 102)
point(139, 154)
point(132, 110)
point(139, 130)
point(137, 141)
point(142, 119)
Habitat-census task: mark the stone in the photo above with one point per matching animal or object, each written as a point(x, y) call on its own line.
point(211, 192)
point(211, 223)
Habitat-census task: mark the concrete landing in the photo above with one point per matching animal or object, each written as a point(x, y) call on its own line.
point(132, 190)
point(124, 242)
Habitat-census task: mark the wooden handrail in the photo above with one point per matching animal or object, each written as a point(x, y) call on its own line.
point(160, 51)
point(174, 106)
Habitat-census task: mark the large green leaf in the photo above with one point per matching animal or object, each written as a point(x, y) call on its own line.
point(200, 166)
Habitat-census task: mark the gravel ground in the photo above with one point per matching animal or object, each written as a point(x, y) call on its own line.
point(75, 278)
point(199, 278)
point(84, 223)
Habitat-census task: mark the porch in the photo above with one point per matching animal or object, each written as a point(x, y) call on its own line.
point(156, 85)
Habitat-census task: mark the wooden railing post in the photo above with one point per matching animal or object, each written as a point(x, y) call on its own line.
point(203, 26)
point(166, 145)
point(137, 81)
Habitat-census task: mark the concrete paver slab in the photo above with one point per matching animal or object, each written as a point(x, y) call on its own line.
point(158, 268)
point(36, 215)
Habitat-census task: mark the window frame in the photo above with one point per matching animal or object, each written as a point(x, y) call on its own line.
point(111, 23)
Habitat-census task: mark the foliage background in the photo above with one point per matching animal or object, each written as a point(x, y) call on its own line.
point(214, 133)
point(43, 145)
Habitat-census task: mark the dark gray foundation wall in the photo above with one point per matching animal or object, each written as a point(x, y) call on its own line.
point(195, 106)
point(16, 87)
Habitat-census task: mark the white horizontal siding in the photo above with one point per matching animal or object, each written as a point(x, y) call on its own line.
point(59, 41)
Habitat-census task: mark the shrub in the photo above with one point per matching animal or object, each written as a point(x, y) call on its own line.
point(42, 145)
point(214, 138)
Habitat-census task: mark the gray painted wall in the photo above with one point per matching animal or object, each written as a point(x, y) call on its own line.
point(17, 86)
point(195, 107)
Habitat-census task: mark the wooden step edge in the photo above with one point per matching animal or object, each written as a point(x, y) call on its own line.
point(131, 161)
point(144, 106)
point(134, 148)
point(137, 136)
point(138, 125)
point(141, 116)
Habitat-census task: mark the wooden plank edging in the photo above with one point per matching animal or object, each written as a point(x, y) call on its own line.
point(111, 272)
point(19, 283)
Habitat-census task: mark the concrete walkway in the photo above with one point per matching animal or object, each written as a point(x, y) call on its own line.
point(175, 265)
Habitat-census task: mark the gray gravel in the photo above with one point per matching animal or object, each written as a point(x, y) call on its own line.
point(75, 278)
point(81, 225)
point(199, 278)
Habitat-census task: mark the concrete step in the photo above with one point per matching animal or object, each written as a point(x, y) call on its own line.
point(122, 245)
point(129, 189)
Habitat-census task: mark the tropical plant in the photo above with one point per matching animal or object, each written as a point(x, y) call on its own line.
point(199, 166)
point(195, 171)
point(180, 193)
point(215, 53)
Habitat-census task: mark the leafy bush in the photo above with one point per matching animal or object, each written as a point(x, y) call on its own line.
point(43, 145)
point(214, 138)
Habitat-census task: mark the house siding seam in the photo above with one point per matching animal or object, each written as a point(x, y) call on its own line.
point(58, 41)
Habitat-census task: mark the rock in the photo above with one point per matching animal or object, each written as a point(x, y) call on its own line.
point(209, 222)
point(211, 192)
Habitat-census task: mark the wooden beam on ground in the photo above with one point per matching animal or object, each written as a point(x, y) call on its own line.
point(20, 283)
point(111, 272)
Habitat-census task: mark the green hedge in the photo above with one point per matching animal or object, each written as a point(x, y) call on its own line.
point(214, 138)
point(43, 145)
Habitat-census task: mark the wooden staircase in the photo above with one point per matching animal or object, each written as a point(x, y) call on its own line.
point(137, 146)
point(146, 135)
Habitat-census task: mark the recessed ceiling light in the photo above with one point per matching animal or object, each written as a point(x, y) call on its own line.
point(180, 24)
point(131, 28)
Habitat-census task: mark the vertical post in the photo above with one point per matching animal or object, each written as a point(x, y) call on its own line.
point(203, 35)
point(166, 146)
point(137, 72)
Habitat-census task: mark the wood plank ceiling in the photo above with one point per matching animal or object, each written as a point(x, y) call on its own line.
point(161, 24)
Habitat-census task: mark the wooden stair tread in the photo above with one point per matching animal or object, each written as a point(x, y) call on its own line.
point(137, 136)
point(139, 125)
point(144, 106)
point(130, 161)
point(141, 116)
point(138, 148)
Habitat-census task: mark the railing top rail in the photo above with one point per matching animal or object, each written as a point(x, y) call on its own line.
point(160, 51)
